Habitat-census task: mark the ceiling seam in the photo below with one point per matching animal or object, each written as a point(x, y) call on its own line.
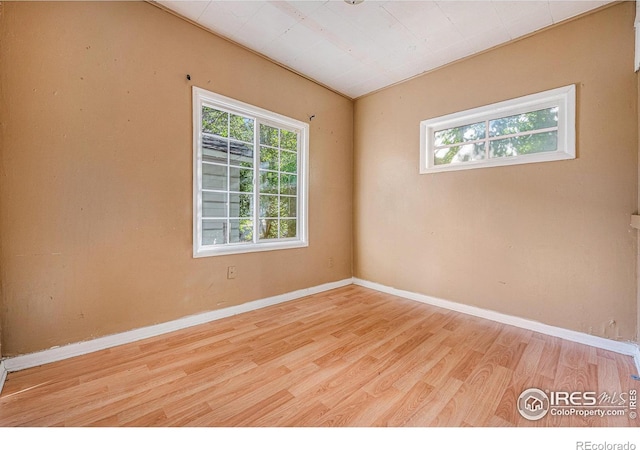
point(279, 64)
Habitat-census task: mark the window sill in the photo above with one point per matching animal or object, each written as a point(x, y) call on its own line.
point(204, 252)
point(497, 162)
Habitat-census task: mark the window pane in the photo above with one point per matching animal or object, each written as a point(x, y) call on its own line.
point(288, 207)
point(214, 232)
point(269, 136)
point(288, 140)
point(268, 206)
point(269, 182)
point(524, 145)
point(241, 180)
point(214, 177)
point(214, 149)
point(268, 158)
point(241, 230)
point(240, 205)
point(457, 135)
point(288, 229)
point(247, 167)
point(288, 184)
point(214, 204)
point(460, 153)
point(241, 128)
point(268, 228)
point(536, 120)
point(241, 154)
point(288, 162)
point(215, 122)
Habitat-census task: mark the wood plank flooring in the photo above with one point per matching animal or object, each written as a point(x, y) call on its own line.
point(347, 357)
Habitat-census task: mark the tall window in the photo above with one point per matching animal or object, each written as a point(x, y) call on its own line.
point(250, 178)
point(535, 128)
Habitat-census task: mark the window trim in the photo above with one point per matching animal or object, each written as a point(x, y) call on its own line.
point(203, 97)
point(564, 98)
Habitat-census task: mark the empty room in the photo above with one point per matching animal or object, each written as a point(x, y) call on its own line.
point(319, 214)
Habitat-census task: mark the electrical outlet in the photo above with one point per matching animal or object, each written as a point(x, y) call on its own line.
point(231, 272)
point(330, 262)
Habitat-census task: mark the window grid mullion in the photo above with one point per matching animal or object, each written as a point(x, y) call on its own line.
point(486, 140)
point(256, 179)
point(228, 205)
point(279, 178)
point(298, 183)
point(524, 133)
point(457, 144)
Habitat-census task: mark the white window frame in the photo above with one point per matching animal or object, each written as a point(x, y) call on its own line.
point(564, 98)
point(202, 97)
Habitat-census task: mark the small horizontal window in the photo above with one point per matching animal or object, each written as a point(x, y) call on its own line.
point(535, 128)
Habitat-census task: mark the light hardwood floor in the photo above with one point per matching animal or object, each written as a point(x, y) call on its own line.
point(347, 357)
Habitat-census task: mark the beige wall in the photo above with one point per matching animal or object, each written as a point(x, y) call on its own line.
point(95, 178)
point(549, 242)
point(96, 170)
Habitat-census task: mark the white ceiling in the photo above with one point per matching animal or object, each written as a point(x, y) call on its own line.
point(357, 49)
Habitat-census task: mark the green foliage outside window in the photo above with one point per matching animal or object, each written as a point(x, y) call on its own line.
point(469, 142)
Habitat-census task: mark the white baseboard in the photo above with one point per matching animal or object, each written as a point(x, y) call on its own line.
point(3, 374)
point(624, 348)
point(68, 351)
point(636, 358)
point(81, 348)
